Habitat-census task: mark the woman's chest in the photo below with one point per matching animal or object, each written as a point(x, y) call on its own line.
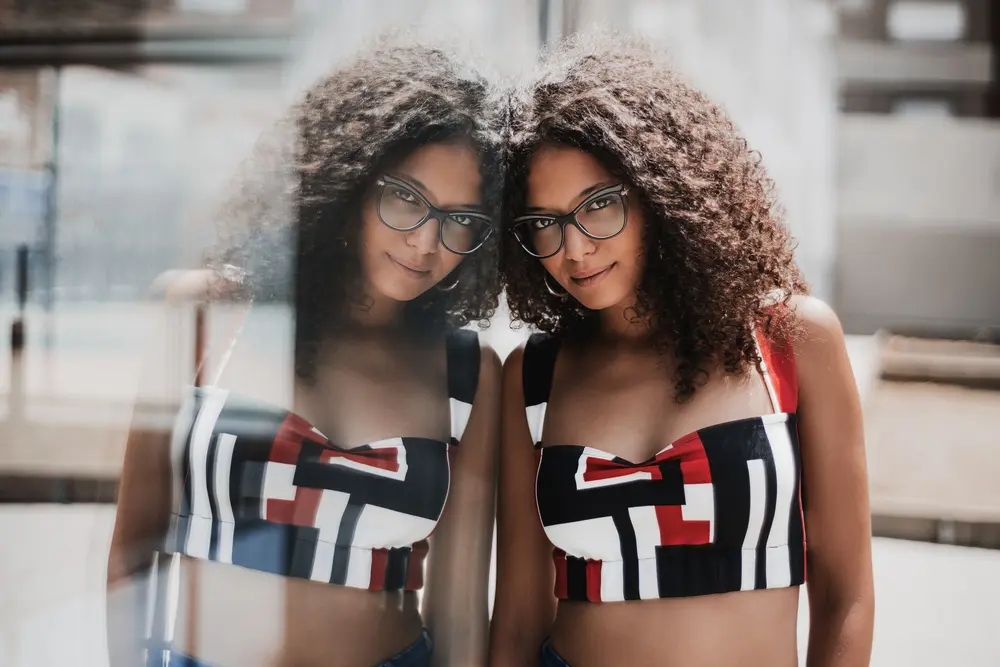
point(365, 398)
point(627, 406)
point(629, 417)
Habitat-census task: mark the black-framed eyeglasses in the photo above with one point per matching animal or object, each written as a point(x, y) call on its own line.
point(600, 216)
point(402, 207)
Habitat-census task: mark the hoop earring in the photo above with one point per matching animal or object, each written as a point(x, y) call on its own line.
point(559, 295)
point(448, 288)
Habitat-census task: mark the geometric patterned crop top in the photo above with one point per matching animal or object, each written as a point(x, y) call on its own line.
point(716, 511)
point(257, 486)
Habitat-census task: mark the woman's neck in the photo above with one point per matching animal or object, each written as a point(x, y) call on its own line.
point(375, 311)
point(621, 323)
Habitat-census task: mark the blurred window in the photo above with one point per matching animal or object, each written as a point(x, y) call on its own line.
point(926, 21)
point(221, 7)
point(923, 106)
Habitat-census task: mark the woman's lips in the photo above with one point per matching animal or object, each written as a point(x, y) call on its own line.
point(407, 269)
point(591, 278)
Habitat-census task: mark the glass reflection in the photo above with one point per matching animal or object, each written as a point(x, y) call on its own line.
point(304, 535)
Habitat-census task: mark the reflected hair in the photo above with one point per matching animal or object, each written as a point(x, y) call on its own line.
point(305, 185)
point(714, 241)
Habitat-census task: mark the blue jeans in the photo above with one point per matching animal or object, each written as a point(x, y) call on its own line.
point(548, 657)
point(417, 654)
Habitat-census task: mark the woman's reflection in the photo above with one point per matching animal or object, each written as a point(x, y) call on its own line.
point(394, 428)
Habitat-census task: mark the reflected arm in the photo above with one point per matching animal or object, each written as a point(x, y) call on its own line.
point(455, 600)
point(525, 601)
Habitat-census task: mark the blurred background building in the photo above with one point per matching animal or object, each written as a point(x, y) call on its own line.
point(917, 196)
point(121, 122)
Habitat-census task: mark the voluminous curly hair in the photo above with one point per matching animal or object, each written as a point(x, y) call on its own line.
point(714, 243)
point(305, 186)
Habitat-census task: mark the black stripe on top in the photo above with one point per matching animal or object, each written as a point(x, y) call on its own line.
point(796, 531)
point(537, 368)
point(345, 538)
point(396, 566)
point(463, 365)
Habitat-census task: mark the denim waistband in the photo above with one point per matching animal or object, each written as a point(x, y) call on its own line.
point(549, 657)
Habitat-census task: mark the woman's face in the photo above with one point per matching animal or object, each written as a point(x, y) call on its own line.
point(599, 274)
point(402, 265)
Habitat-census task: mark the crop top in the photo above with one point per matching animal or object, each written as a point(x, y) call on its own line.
point(716, 511)
point(259, 487)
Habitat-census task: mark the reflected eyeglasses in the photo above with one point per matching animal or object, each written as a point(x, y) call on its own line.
point(401, 207)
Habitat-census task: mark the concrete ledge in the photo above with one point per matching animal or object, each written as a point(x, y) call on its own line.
point(940, 531)
point(889, 65)
point(32, 489)
point(970, 364)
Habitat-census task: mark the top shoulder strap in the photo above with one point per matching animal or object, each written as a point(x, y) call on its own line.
point(463, 361)
point(778, 368)
point(536, 380)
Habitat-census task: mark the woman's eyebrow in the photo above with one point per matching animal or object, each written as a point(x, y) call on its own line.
point(424, 190)
point(413, 181)
point(583, 195)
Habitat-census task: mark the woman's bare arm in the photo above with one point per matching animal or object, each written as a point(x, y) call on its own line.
point(143, 508)
point(144, 490)
point(525, 601)
point(835, 485)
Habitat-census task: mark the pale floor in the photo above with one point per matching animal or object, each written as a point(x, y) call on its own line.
point(936, 606)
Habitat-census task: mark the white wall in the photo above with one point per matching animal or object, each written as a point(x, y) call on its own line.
point(913, 172)
point(919, 224)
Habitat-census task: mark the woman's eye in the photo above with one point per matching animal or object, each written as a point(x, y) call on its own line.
point(598, 204)
point(540, 223)
point(462, 220)
point(405, 196)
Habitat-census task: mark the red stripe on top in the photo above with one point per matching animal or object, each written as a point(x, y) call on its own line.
point(562, 580)
point(674, 530)
point(781, 364)
point(694, 461)
point(386, 458)
point(598, 469)
point(594, 580)
point(415, 566)
point(300, 511)
point(287, 443)
point(380, 561)
point(294, 430)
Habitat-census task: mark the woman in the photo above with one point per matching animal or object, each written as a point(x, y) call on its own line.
point(301, 533)
point(656, 433)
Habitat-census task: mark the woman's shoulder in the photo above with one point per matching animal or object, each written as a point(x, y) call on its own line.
point(536, 346)
point(816, 318)
point(528, 368)
point(820, 344)
point(809, 318)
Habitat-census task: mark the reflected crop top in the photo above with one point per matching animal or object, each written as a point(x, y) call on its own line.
point(259, 487)
point(716, 511)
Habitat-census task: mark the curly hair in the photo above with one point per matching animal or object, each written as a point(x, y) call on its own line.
point(714, 243)
point(305, 186)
